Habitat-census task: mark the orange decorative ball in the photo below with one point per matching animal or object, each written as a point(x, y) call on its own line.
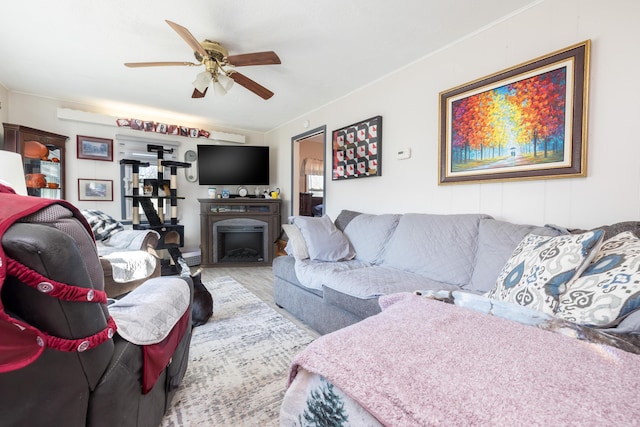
point(35, 150)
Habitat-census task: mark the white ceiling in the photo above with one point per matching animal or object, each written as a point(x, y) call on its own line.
point(74, 50)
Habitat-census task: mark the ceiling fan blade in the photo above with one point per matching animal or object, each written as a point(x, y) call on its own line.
point(249, 84)
point(188, 37)
point(257, 58)
point(198, 94)
point(158, 64)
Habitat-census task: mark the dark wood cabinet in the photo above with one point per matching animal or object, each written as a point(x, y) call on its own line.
point(305, 204)
point(308, 203)
point(43, 157)
point(238, 232)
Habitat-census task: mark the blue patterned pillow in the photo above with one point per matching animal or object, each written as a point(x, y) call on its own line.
point(609, 289)
point(541, 267)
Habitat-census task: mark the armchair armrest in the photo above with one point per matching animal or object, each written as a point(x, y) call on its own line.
point(123, 241)
point(134, 240)
point(115, 289)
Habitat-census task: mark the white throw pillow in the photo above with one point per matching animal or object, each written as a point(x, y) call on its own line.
point(296, 246)
point(324, 241)
point(541, 267)
point(609, 289)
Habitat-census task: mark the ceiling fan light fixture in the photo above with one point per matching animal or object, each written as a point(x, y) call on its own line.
point(219, 89)
point(215, 57)
point(202, 81)
point(225, 81)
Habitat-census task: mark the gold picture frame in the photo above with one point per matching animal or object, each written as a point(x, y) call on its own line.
point(526, 122)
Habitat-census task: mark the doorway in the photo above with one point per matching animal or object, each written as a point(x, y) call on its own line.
point(308, 175)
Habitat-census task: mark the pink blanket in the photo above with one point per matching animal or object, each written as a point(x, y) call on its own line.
point(424, 362)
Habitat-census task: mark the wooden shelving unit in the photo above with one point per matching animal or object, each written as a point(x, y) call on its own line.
point(50, 164)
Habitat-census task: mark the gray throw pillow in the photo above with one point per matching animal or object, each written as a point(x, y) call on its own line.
point(324, 241)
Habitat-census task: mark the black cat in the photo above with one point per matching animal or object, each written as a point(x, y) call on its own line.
point(202, 308)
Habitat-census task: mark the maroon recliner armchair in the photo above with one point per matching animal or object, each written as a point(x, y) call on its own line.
point(61, 361)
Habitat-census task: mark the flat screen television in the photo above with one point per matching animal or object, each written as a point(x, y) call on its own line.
point(233, 165)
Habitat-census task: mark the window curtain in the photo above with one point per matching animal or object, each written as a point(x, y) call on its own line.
point(313, 167)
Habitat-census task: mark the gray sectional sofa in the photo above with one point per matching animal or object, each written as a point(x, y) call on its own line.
point(328, 287)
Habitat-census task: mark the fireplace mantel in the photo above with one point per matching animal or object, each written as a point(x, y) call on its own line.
point(213, 211)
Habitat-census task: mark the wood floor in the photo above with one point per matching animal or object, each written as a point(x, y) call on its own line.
point(259, 280)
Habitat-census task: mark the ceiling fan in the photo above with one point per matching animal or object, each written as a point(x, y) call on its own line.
point(215, 58)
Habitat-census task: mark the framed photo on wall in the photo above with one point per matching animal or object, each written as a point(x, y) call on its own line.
point(526, 122)
point(357, 150)
point(93, 148)
point(99, 190)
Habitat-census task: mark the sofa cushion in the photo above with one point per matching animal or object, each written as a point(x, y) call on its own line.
point(377, 280)
point(313, 274)
point(324, 241)
point(609, 289)
point(284, 271)
point(130, 240)
point(284, 267)
point(361, 307)
point(369, 235)
point(440, 247)
point(496, 242)
point(541, 266)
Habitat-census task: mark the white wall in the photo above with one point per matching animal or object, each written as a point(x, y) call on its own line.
point(4, 110)
point(42, 113)
point(408, 103)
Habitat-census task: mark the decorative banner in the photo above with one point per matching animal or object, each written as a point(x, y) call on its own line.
point(146, 126)
point(356, 148)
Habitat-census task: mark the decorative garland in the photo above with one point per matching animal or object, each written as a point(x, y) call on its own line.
point(147, 126)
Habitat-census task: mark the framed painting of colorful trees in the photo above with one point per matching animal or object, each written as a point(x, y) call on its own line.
point(526, 122)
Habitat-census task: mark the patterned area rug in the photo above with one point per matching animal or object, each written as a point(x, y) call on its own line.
point(238, 363)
